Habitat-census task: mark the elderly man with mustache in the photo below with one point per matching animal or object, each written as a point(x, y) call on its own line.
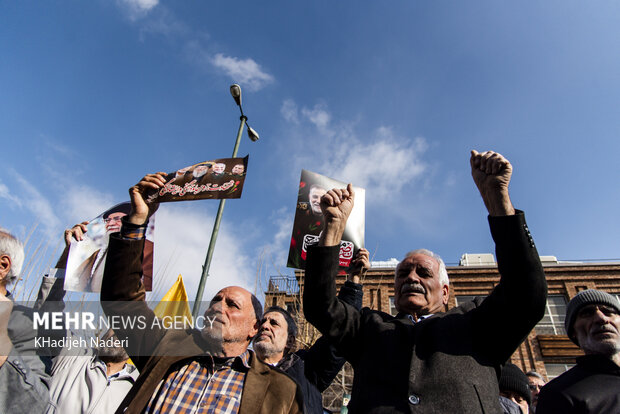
point(427, 360)
point(204, 367)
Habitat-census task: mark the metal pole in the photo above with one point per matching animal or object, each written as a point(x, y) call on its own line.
point(216, 228)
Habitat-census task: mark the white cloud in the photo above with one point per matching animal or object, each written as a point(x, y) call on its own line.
point(81, 202)
point(137, 9)
point(182, 234)
point(289, 111)
point(163, 23)
point(39, 206)
point(246, 72)
point(273, 255)
point(58, 147)
point(319, 117)
point(383, 166)
point(6, 194)
point(277, 248)
point(379, 161)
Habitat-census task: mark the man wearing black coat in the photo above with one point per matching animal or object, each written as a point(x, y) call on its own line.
point(426, 360)
point(313, 369)
point(593, 385)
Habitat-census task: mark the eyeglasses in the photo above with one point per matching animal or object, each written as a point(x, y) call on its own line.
point(534, 387)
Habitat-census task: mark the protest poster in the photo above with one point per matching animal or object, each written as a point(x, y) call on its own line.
point(220, 178)
point(309, 220)
point(86, 260)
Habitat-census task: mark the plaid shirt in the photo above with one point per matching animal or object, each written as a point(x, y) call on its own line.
point(198, 386)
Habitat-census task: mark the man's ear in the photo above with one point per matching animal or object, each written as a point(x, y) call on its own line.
point(5, 268)
point(445, 294)
point(254, 330)
point(291, 343)
point(573, 338)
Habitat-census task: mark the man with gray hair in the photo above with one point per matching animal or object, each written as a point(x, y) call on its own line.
point(23, 381)
point(592, 323)
point(427, 360)
point(536, 383)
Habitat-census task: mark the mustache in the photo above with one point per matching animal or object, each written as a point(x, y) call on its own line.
point(265, 333)
point(604, 329)
point(215, 316)
point(412, 288)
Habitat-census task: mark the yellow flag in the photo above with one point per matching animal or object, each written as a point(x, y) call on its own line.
point(174, 302)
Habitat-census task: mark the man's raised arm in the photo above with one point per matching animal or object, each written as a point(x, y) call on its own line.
point(322, 361)
point(518, 302)
point(491, 173)
point(122, 291)
point(336, 320)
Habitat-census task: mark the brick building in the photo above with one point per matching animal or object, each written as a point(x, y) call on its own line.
point(546, 350)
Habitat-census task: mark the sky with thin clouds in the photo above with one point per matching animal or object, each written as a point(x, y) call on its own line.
point(388, 95)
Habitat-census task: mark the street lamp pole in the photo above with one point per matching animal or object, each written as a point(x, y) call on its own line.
point(235, 91)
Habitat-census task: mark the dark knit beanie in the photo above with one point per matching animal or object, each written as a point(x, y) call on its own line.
point(515, 380)
point(583, 298)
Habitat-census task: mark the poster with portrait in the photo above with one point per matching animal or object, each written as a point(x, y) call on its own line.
point(309, 220)
point(221, 178)
point(87, 257)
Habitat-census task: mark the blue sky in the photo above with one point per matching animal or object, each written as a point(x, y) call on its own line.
point(388, 95)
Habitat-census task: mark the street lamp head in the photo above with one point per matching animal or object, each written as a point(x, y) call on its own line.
point(235, 91)
point(252, 134)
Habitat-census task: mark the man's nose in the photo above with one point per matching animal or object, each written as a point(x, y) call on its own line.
point(601, 316)
point(413, 276)
point(216, 307)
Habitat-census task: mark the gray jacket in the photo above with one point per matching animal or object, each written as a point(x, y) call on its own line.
point(80, 385)
point(23, 377)
point(79, 382)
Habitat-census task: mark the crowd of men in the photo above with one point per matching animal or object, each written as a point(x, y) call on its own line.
point(423, 360)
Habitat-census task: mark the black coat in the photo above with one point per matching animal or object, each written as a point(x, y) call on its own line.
point(592, 386)
point(314, 369)
point(447, 363)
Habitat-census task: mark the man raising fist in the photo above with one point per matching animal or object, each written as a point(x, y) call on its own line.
point(427, 360)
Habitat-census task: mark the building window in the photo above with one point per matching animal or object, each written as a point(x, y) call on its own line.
point(555, 370)
point(393, 310)
point(292, 307)
point(555, 313)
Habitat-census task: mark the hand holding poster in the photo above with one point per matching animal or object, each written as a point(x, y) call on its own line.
point(309, 220)
point(221, 178)
point(87, 258)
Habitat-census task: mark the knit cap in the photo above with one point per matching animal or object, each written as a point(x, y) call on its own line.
point(513, 379)
point(583, 298)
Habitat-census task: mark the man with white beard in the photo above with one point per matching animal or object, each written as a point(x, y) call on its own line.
point(592, 323)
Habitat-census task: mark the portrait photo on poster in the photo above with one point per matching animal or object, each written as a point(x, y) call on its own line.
point(219, 178)
point(86, 260)
point(309, 220)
